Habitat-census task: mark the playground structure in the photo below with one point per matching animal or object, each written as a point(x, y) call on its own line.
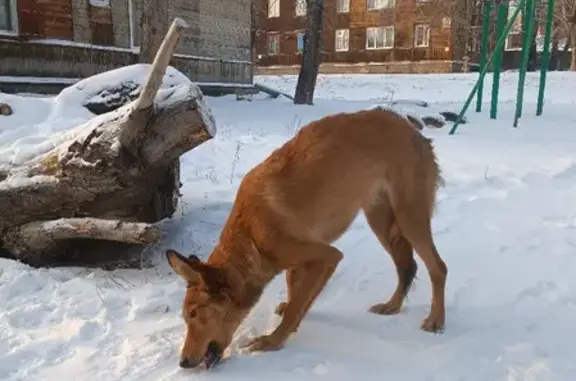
point(528, 8)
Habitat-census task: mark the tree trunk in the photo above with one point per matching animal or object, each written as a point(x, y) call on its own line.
point(554, 52)
point(111, 181)
point(312, 53)
point(533, 52)
point(153, 26)
point(573, 39)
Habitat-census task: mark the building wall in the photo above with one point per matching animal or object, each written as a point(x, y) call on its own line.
point(218, 29)
point(403, 17)
point(225, 29)
point(39, 59)
point(216, 47)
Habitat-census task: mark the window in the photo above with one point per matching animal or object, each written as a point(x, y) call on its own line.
point(380, 4)
point(300, 42)
point(273, 44)
point(342, 40)
point(273, 8)
point(300, 7)
point(100, 3)
point(446, 22)
point(8, 16)
point(381, 37)
point(421, 35)
point(134, 12)
point(342, 6)
point(514, 38)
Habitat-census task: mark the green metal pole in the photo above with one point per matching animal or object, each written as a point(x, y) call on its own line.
point(526, 40)
point(484, 50)
point(545, 62)
point(499, 45)
point(501, 21)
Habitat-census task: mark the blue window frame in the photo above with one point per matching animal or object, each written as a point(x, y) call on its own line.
point(300, 44)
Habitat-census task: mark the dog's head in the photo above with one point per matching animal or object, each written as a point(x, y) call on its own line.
point(211, 316)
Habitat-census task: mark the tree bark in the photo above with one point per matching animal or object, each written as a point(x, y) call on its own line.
point(554, 52)
point(311, 56)
point(112, 181)
point(153, 26)
point(573, 39)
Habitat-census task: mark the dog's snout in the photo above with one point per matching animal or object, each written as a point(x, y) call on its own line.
point(186, 363)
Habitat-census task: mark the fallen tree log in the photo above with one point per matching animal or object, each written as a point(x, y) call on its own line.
point(111, 179)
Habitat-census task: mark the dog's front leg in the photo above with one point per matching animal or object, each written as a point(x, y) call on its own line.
point(317, 262)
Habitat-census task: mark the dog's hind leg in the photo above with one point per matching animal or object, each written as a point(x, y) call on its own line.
point(414, 221)
point(382, 221)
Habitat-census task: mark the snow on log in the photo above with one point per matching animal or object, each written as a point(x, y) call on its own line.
point(109, 179)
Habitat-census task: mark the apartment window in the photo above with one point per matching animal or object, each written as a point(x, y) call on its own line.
point(300, 42)
point(381, 37)
point(273, 8)
point(273, 44)
point(342, 6)
point(8, 16)
point(300, 7)
point(446, 22)
point(421, 35)
point(100, 3)
point(342, 40)
point(380, 4)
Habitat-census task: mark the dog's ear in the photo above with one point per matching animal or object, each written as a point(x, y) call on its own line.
point(190, 269)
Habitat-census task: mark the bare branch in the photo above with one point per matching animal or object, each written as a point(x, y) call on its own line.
point(161, 61)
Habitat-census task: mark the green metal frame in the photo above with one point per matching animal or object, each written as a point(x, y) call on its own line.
point(500, 24)
point(529, 7)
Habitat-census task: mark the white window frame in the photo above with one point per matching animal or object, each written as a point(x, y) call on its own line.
point(131, 20)
point(276, 37)
point(273, 8)
point(342, 40)
point(386, 30)
point(426, 35)
point(100, 3)
point(516, 28)
point(300, 8)
point(342, 6)
point(373, 5)
point(13, 20)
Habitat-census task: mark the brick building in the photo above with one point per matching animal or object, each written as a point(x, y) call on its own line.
point(391, 35)
point(78, 38)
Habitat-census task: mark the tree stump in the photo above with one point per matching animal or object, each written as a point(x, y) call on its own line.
point(107, 186)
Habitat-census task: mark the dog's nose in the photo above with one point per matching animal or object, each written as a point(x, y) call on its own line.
point(186, 363)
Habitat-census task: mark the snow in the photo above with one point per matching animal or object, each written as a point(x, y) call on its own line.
point(181, 23)
point(40, 124)
point(505, 225)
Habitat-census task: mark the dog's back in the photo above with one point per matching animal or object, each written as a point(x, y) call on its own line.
point(314, 185)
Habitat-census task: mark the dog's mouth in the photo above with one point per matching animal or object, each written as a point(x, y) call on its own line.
point(213, 355)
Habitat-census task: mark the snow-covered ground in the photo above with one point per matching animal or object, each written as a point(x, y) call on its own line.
point(505, 225)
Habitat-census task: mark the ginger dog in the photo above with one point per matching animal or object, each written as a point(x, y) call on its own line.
point(291, 207)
